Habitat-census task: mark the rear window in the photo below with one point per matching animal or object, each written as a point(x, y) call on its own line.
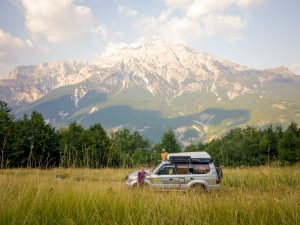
point(192, 168)
point(201, 168)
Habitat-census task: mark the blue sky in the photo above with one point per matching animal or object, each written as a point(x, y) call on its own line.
point(256, 33)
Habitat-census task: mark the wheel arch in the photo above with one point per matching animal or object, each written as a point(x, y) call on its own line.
point(197, 183)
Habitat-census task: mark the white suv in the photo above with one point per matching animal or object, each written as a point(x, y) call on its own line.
point(183, 170)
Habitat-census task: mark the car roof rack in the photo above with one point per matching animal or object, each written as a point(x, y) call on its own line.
point(188, 159)
point(180, 159)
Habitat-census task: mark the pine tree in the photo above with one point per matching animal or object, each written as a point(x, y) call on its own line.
point(73, 146)
point(6, 132)
point(35, 143)
point(169, 142)
point(99, 143)
point(289, 144)
point(126, 143)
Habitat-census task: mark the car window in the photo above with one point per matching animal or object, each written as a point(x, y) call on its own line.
point(201, 168)
point(182, 169)
point(155, 169)
point(167, 170)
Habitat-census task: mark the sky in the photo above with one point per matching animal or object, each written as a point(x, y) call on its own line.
point(256, 33)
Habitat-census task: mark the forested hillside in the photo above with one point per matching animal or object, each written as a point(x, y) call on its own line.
point(31, 142)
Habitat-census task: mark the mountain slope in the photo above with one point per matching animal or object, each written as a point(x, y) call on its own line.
point(27, 84)
point(153, 86)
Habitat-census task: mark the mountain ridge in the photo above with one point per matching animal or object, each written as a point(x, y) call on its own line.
point(171, 79)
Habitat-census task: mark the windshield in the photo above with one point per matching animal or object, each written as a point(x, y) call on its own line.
point(154, 170)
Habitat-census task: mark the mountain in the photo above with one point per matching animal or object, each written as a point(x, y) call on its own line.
point(27, 84)
point(154, 86)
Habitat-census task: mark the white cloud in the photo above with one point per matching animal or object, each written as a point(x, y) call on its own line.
point(56, 20)
point(164, 15)
point(222, 24)
point(113, 47)
point(295, 68)
point(208, 5)
point(249, 3)
point(190, 20)
point(200, 8)
point(178, 4)
point(11, 48)
point(127, 11)
point(180, 30)
point(100, 31)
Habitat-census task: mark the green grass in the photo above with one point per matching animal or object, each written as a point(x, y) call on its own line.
point(261, 195)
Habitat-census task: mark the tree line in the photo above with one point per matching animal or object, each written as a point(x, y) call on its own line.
point(251, 146)
point(31, 142)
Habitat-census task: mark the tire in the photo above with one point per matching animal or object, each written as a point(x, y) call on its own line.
point(199, 188)
point(135, 186)
point(219, 173)
point(144, 186)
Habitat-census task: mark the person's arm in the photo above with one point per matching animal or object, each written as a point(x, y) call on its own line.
point(147, 174)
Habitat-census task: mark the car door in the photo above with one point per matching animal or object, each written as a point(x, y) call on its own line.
point(165, 177)
point(184, 175)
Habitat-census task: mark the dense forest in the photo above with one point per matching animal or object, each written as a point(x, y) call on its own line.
point(31, 142)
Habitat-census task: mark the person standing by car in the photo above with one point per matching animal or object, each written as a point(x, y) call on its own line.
point(164, 154)
point(141, 177)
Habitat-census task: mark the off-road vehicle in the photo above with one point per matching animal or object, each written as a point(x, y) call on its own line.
point(185, 170)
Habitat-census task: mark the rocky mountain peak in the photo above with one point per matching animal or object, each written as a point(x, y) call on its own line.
point(169, 61)
point(164, 69)
point(151, 85)
point(281, 70)
point(58, 68)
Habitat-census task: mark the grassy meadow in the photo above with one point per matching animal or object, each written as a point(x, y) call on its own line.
point(260, 195)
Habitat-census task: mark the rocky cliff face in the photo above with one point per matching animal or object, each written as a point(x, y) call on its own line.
point(27, 84)
point(166, 70)
point(172, 80)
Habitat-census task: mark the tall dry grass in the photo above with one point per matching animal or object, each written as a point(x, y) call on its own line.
point(261, 195)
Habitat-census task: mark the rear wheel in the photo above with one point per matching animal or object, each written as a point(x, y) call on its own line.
point(220, 174)
point(199, 188)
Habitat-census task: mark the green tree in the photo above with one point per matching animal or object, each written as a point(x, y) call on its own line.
point(250, 146)
point(156, 149)
point(238, 147)
point(35, 143)
point(195, 147)
point(169, 142)
point(6, 132)
point(289, 144)
point(214, 148)
point(73, 145)
point(99, 143)
point(124, 144)
point(268, 144)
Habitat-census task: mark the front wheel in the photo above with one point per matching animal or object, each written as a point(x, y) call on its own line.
point(143, 186)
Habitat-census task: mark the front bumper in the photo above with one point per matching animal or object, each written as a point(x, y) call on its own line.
point(131, 183)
